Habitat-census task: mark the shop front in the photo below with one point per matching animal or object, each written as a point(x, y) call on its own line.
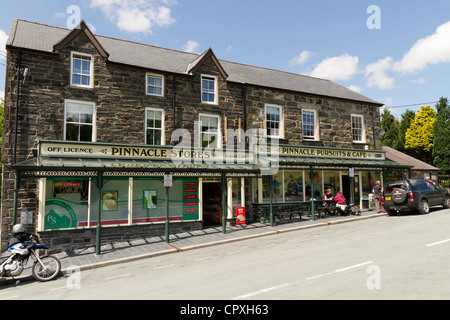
point(306, 173)
point(120, 188)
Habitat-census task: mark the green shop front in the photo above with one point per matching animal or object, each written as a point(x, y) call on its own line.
point(93, 193)
point(305, 173)
point(97, 192)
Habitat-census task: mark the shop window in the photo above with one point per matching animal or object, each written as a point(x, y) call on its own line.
point(293, 185)
point(209, 131)
point(209, 89)
point(66, 203)
point(309, 124)
point(79, 121)
point(155, 85)
point(277, 191)
point(357, 128)
point(273, 121)
point(154, 126)
point(114, 202)
point(149, 200)
point(81, 70)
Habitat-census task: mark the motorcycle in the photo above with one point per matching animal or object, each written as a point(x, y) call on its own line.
point(14, 260)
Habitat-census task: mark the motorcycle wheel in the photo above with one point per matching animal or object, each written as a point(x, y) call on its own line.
point(51, 270)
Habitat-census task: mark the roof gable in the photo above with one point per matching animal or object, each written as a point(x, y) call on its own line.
point(197, 63)
point(82, 27)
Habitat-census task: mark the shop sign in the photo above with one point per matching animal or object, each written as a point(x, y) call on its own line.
point(105, 151)
point(331, 153)
point(240, 216)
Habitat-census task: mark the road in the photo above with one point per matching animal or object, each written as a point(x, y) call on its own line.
point(402, 257)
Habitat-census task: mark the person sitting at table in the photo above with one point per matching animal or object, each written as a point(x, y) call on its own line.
point(340, 201)
point(327, 196)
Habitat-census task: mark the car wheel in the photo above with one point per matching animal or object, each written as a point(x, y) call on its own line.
point(447, 202)
point(424, 208)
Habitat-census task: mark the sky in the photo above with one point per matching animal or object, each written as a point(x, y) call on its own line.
point(393, 51)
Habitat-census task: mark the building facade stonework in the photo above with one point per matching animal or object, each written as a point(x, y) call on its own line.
point(130, 102)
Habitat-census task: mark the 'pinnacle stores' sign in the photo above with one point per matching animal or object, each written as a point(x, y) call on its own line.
point(63, 149)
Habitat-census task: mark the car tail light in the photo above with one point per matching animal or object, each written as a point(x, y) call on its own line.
point(411, 196)
point(382, 200)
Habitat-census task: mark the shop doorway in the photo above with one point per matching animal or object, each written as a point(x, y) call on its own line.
point(347, 189)
point(212, 202)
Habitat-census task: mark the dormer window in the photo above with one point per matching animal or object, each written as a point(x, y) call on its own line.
point(81, 70)
point(209, 89)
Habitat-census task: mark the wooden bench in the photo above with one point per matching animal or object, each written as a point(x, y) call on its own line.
point(285, 210)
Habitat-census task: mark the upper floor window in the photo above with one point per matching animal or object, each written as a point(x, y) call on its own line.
point(273, 121)
point(155, 85)
point(154, 126)
point(309, 124)
point(209, 131)
point(79, 121)
point(209, 89)
point(358, 128)
point(81, 70)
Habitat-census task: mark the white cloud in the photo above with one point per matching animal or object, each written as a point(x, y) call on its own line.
point(136, 16)
point(433, 49)
point(2, 95)
point(302, 58)
point(376, 74)
point(343, 68)
point(419, 81)
point(3, 39)
point(355, 88)
point(191, 46)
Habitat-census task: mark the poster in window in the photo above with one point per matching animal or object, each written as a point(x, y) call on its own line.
point(150, 199)
point(110, 200)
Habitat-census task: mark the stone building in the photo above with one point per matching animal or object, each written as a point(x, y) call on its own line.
point(93, 123)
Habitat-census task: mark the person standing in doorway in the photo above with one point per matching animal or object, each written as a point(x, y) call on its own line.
point(378, 192)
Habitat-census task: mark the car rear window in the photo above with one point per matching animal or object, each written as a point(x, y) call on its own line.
point(391, 187)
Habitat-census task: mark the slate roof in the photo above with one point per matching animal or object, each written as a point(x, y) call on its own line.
point(40, 37)
point(400, 157)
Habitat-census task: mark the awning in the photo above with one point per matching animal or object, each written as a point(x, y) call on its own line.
point(49, 166)
point(317, 162)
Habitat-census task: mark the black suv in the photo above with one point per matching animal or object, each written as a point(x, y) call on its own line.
point(413, 194)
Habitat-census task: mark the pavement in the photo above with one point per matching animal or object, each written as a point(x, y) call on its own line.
point(115, 253)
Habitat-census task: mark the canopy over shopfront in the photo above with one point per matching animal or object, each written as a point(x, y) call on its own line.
point(102, 171)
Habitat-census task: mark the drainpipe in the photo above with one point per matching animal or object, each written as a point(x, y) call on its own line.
point(16, 192)
point(17, 105)
point(173, 103)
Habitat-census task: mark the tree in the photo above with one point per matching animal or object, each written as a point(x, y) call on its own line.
point(390, 125)
point(403, 126)
point(419, 136)
point(441, 132)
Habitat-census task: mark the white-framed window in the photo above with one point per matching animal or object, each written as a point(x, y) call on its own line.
point(309, 125)
point(79, 121)
point(274, 123)
point(154, 85)
point(358, 132)
point(154, 126)
point(81, 70)
point(209, 128)
point(209, 89)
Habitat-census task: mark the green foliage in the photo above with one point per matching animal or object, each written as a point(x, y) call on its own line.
point(390, 125)
point(441, 132)
point(419, 136)
point(403, 126)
